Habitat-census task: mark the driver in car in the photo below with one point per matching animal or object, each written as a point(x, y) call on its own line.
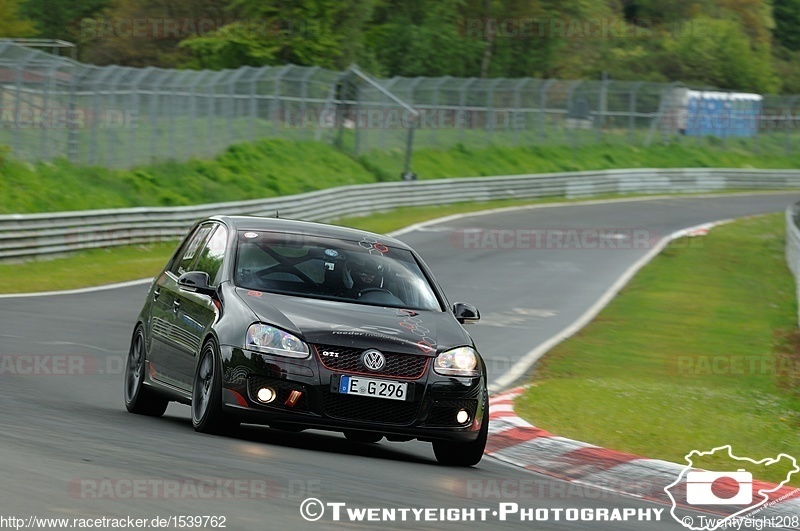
point(365, 276)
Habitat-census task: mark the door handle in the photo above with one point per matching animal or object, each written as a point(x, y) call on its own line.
point(156, 293)
point(175, 306)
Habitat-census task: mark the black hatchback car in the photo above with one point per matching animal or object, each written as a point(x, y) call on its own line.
point(301, 325)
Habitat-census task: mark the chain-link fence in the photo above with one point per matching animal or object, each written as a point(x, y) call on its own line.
point(122, 117)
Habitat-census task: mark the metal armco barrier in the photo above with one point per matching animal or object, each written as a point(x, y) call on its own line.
point(29, 235)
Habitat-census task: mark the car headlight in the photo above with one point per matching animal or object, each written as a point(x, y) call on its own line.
point(461, 361)
point(272, 340)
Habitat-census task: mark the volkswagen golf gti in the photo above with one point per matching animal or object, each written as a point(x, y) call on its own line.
point(299, 325)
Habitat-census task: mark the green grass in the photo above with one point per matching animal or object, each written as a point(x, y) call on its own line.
point(462, 161)
point(86, 268)
point(682, 358)
point(247, 171)
point(273, 167)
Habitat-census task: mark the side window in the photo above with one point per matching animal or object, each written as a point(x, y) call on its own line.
point(189, 250)
point(212, 254)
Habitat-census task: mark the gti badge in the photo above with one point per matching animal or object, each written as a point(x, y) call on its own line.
point(373, 359)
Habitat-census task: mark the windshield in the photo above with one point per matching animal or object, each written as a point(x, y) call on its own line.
point(363, 272)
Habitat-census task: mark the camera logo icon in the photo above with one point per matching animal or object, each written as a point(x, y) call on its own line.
point(719, 488)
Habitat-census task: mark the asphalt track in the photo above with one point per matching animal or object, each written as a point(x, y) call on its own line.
point(69, 448)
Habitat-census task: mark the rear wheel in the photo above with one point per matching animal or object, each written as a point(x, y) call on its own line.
point(139, 398)
point(363, 436)
point(207, 414)
point(464, 454)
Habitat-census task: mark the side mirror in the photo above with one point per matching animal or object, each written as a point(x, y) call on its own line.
point(197, 282)
point(466, 313)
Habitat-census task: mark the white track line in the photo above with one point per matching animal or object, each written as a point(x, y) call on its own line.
point(92, 289)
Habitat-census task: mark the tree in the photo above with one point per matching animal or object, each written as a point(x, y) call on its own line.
point(326, 33)
point(147, 32)
point(787, 22)
point(720, 55)
point(60, 19)
point(11, 23)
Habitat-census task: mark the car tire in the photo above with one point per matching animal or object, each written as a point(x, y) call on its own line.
point(139, 398)
point(363, 436)
point(464, 454)
point(206, 406)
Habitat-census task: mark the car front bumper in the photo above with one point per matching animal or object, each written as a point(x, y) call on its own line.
point(305, 397)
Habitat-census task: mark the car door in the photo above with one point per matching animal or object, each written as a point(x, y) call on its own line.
point(195, 313)
point(167, 349)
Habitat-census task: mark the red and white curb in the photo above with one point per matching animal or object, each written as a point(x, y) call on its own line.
point(516, 442)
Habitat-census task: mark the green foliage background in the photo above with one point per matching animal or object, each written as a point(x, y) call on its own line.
point(749, 45)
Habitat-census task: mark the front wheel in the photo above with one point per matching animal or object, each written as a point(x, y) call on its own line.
point(207, 414)
point(139, 398)
point(464, 454)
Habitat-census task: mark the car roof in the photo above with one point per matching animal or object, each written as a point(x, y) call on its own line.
point(305, 227)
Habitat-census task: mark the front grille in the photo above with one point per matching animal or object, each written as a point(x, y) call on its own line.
point(283, 389)
point(443, 412)
point(348, 360)
point(369, 409)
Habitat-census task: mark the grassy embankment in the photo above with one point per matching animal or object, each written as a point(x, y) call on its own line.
point(279, 167)
point(698, 351)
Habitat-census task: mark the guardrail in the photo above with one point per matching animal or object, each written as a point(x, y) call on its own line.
point(29, 235)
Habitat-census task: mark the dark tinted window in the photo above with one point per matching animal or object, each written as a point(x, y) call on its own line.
point(211, 256)
point(189, 250)
point(363, 272)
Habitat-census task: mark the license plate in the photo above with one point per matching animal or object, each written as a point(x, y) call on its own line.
point(356, 385)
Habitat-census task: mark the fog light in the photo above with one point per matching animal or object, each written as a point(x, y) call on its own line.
point(462, 416)
point(266, 395)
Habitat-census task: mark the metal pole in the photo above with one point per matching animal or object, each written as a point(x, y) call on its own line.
point(304, 98)
point(570, 91)
point(542, 107)
point(155, 127)
point(490, 105)
point(135, 108)
point(435, 106)
point(603, 107)
point(238, 73)
point(190, 137)
point(72, 125)
point(463, 103)
point(275, 103)
point(788, 125)
point(632, 112)
point(20, 76)
point(517, 105)
point(251, 122)
point(104, 74)
point(180, 82)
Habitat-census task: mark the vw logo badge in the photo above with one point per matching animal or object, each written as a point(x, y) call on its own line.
point(373, 359)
